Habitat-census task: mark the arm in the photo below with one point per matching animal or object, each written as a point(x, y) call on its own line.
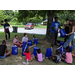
point(29, 48)
point(54, 29)
point(20, 42)
point(72, 31)
point(16, 44)
point(55, 55)
point(6, 50)
point(64, 27)
point(60, 27)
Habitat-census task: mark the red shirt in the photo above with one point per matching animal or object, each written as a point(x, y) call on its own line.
point(28, 55)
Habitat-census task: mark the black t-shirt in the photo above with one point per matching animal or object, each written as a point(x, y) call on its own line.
point(6, 25)
point(67, 29)
point(2, 49)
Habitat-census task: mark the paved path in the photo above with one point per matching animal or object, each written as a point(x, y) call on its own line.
point(31, 31)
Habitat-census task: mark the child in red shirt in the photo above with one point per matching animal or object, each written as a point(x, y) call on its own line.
point(28, 54)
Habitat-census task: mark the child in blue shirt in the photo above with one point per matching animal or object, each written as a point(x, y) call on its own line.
point(54, 31)
point(33, 37)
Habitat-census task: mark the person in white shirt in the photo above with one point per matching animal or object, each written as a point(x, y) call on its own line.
point(25, 38)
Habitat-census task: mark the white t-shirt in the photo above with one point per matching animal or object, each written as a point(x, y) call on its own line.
point(24, 39)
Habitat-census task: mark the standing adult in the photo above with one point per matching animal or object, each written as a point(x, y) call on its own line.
point(71, 36)
point(6, 29)
point(67, 29)
point(54, 31)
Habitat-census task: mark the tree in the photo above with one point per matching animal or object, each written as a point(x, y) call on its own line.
point(50, 14)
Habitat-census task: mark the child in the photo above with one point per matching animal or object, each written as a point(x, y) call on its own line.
point(33, 37)
point(6, 29)
point(56, 58)
point(39, 56)
point(16, 41)
point(3, 50)
point(28, 54)
point(68, 55)
point(25, 38)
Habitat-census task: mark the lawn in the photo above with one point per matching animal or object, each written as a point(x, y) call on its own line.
point(18, 59)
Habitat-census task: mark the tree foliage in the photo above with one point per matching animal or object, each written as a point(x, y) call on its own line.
point(63, 14)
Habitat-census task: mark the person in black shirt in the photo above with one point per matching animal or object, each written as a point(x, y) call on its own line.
point(67, 29)
point(3, 50)
point(6, 29)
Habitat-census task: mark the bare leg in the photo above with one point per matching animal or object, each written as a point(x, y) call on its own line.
point(73, 55)
point(62, 58)
point(70, 44)
point(7, 54)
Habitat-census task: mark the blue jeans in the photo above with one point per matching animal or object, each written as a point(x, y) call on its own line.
point(3, 56)
point(71, 38)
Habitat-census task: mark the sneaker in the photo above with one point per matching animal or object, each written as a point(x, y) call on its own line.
point(24, 63)
point(27, 62)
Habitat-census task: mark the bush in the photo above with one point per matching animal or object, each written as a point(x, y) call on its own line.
point(15, 23)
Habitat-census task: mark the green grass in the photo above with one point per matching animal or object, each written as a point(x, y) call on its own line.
point(18, 59)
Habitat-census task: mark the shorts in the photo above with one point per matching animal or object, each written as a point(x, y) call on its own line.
point(3, 56)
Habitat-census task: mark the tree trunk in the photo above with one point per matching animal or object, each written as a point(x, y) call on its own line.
point(50, 20)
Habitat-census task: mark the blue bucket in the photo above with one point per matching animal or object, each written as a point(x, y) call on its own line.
point(29, 42)
point(24, 44)
point(70, 48)
point(14, 50)
point(34, 51)
point(61, 50)
point(23, 50)
point(48, 52)
point(35, 41)
point(61, 44)
point(62, 32)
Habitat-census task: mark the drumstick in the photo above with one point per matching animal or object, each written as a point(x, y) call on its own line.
point(25, 48)
point(59, 47)
point(32, 46)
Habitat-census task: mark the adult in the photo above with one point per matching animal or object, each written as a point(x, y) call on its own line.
point(25, 38)
point(71, 36)
point(17, 42)
point(67, 29)
point(3, 50)
point(54, 31)
point(6, 29)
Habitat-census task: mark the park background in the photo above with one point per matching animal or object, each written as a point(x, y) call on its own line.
point(12, 17)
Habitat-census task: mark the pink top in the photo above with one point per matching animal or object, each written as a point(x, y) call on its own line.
point(15, 41)
point(68, 57)
point(40, 57)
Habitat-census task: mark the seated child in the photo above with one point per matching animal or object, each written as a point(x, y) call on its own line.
point(39, 56)
point(68, 55)
point(17, 42)
point(25, 38)
point(56, 58)
point(3, 50)
point(33, 37)
point(28, 54)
